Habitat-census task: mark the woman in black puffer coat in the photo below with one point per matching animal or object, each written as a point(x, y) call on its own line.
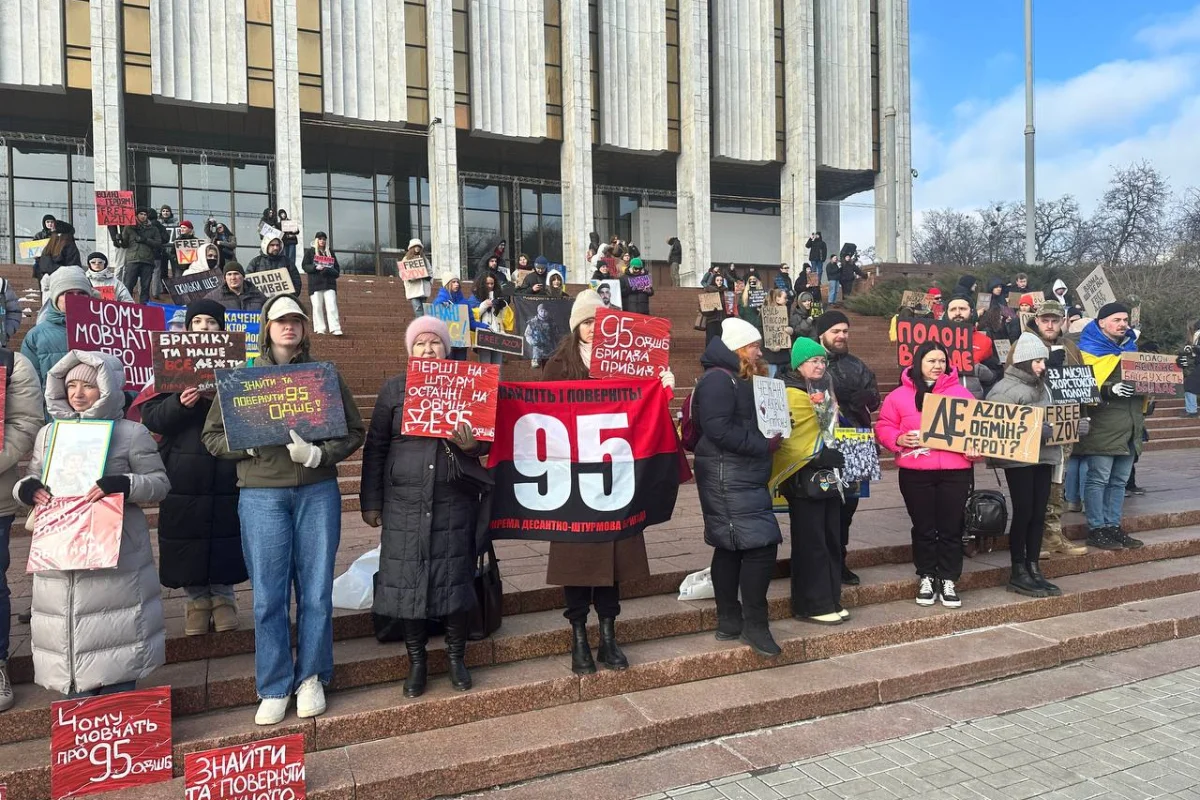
point(429, 518)
point(199, 536)
point(732, 466)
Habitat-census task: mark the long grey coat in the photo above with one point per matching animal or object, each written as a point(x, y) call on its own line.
point(1022, 388)
point(100, 627)
point(430, 526)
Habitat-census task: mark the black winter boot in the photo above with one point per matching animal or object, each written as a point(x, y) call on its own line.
point(1103, 539)
point(1122, 538)
point(1021, 582)
point(415, 638)
point(1035, 573)
point(608, 653)
point(456, 651)
point(581, 651)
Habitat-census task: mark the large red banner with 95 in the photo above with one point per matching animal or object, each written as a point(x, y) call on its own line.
point(582, 461)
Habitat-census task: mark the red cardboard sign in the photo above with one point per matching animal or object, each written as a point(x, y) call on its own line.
point(123, 329)
point(115, 208)
point(71, 533)
point(955, 336)
point(115, 741)
point(271, 768)
point(441, 395)
point(628, 345)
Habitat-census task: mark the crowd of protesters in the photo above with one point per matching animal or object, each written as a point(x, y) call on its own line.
point(272, 515)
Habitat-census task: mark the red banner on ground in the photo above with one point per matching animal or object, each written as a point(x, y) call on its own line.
point(115, 741)
point(629, 345)
point(440, 395)
point(115, 208)
point(955, 336)
point(583, 461)
point(123, 329)
point(271, 768)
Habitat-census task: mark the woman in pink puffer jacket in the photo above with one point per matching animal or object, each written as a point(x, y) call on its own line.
point(934, 483)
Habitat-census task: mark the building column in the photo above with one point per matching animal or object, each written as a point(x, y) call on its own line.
point(108, 109)
point(445, 246)
point(893, 184)
point(904, 221)
point(578, 202)
point(32, 43)
point(286, 66)
point(693, 184)
point(798, 177)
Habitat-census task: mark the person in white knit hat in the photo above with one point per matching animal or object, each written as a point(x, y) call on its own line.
point(591, 572)
point(417, 291)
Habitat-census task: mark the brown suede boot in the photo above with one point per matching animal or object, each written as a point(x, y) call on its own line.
point(225, 614)
point(1055, 542)
point(197, 616)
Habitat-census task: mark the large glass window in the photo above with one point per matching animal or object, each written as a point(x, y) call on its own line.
point(541, 223)
point(40, 179)
point(482, 221)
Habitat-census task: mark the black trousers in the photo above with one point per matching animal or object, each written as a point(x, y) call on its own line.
point(848, 509)
point(143, 272)
point(747, 570)
point(816, 555)
point(935, 500)
point(606, 599)
point(1030, 490)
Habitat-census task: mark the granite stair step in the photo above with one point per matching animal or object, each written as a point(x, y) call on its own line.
point(536, 718)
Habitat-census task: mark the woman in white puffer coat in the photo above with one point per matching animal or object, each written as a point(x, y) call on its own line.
point(99, 631)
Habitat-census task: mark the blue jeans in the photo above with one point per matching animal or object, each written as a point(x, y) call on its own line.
point(5, 603)
point(1104, 492)
point(1076, 477)
point(418, 306)
point(819, 268)
point(772, 370)
point(1189, 403)
point(833, 291)
point(290, 537)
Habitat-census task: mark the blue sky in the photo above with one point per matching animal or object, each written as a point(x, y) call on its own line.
point(1115, 82)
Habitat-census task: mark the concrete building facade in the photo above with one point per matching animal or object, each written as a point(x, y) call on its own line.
point(736, 125)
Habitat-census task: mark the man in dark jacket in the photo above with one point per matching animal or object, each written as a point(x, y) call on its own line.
point(47, 228)
point(535, 282)
point(237, 293)
point(857, 395)
point(272, 257)
point(818, 251)
point(141, 243)
point(675, 258)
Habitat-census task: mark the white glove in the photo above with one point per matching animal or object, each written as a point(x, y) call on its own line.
point(1122, 389)
point(304, 453)
point(667, 378)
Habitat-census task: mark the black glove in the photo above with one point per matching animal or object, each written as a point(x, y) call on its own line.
point(1047, 431)
point(28, 489)
point(1057, 357)
point(114, 484)
point(774, 442)
point(829, 458)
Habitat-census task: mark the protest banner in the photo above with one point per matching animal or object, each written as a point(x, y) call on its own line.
point(640, 283)
point(1069, 385)
point(582, 461)
point(983, 301)
point(1002, 346)
point(289, 226)
point(189, 251)
point(324, 262)
point(1064, 423)
point(629, 345)
point(269, 231)
point(106, 292)
point(72, 533)
point(996, 430)
point(1094, 292)
point(76, 455)
point(188, 288)
point(457, 318)
point(1152, 374)
point(1024, 318)
point(440, 395)
point(262, 405)
point(123, 329)
point(272, 281)
point(32, 249)
point(710, 302)
point(609, 291)
point(917, 300)
point(110, 742)
point(956, 337)
point(269, 769)
point(3, 401)
point(542, 322)
point(755, 298)
point(774, 325)
point(813, 281)
point(189, 359)
point(860, 451)
point(1014, 298)
point(115, 208)
point(413, 269)
point(771, 406)
point(731, 304)
point(246, 323)
point(499, 342)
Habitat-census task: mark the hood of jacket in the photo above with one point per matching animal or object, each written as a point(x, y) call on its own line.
point(110, 377)
point(265, 243)
point(1059, 288)
point(948, 378)
point(718, 355)
point(102, 277)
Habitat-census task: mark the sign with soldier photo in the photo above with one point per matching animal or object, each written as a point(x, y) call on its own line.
point(542, 322)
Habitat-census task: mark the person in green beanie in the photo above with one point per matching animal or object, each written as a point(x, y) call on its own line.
point(804, 472)
point(636, 288)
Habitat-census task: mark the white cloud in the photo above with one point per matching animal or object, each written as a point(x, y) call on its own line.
point(1172, 31)
point(1113, 114)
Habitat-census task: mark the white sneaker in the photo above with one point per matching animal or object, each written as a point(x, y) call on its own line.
point(6, 690)
point(271, 710)
point(310, 698)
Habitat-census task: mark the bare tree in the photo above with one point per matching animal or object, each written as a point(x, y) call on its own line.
point(1186, 228)
point(1130, 220)
point(1057, 228)
point(1002, 226)
point(949, 237)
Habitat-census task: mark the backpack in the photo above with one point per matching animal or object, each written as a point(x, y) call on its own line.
point(986, 517)
point(689, 430)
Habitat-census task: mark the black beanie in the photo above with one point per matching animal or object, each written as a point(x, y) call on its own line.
point(829, 319)
point(1108, 309)
point(204, 306)
point(233, 266)
point(96, 254)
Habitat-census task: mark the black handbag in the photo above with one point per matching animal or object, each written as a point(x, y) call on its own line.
point(484, 619)
point(985, 516)
point(815, 483)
